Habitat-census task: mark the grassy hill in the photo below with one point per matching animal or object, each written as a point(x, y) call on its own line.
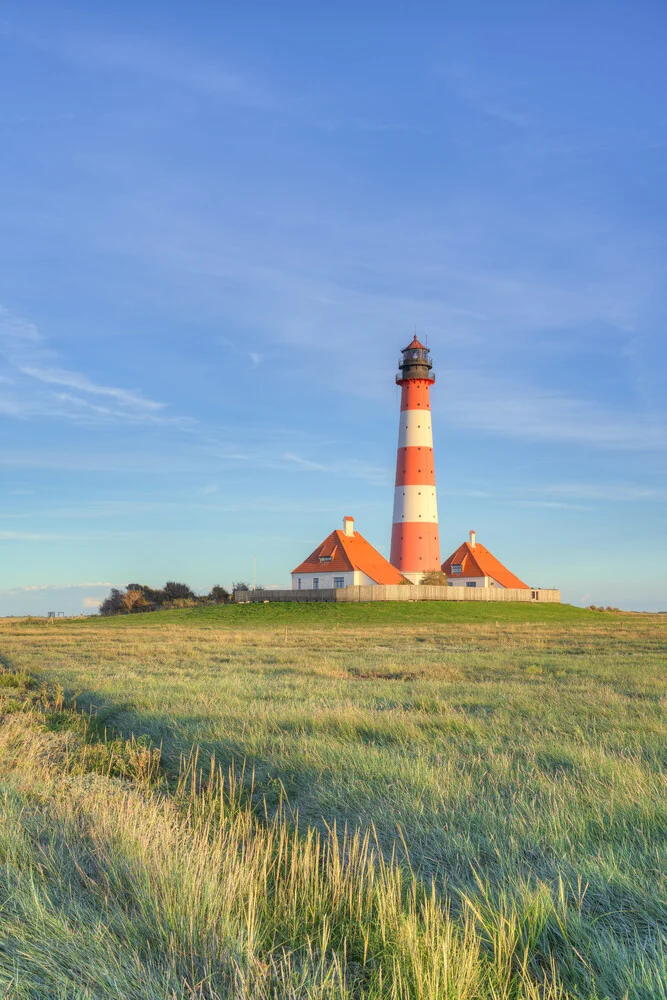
point(363, 614)
point(504, 766)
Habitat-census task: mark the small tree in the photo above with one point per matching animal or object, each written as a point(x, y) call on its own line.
point(134, 601)
point(218, 594)
point(113, 603)
point(240, 586)
point(177, 591)
point(155, 598)
point(435, 579)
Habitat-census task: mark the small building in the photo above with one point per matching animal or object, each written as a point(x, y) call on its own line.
point(473, 566)
point(344, 559)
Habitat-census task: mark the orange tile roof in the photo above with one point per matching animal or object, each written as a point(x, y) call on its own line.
point(415, 344)
point(344, 553)
point(478, 561)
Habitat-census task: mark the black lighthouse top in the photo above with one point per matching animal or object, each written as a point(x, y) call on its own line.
point(415, 362)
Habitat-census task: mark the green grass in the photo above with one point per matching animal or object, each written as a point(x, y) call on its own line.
point(504, 767)
point(372, 614)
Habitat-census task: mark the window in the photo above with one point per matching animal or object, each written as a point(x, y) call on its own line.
point(325, 559)
point(456, 567)
point(470, 583)
point(316, 583)
point(339, 582)
point(298, 584)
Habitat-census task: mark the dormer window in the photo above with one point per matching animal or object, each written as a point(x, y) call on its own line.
point(457, 568)
point(325, 559)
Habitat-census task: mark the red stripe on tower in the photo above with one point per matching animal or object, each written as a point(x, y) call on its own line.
point(415, 542)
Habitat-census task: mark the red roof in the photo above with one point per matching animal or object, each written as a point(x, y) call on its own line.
point(478, 561)
point(417, 344)
point(341, 553)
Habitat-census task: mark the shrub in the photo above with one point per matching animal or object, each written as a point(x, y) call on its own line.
point(434, 579)
point(154, 597)
point(218, 594)
point(138, 597)
point(113, 604)
point(177, 591)
point(134, 601)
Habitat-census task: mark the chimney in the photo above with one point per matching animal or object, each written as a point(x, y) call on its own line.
point(472, 539)
point(348, 526)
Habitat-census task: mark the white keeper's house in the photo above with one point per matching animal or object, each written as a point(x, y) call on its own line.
point(344, 559)
point(474, 566)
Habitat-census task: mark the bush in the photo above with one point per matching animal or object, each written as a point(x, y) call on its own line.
point(113, 604)
point(177, 591)
point(138, 597)
point(218, 594)
point(435, 579)
point(154, 597)
point(134, 601)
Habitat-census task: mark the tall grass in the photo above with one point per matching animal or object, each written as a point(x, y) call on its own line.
point(467, 813)
point(116, 890)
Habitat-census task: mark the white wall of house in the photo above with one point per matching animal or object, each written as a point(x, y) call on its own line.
point(479, 581)
point(353, 578)
point(325, 580)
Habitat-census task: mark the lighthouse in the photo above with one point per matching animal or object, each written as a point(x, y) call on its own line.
point(415, 542)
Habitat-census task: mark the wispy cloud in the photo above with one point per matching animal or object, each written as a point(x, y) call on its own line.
point(367, 125)
point(30, 375)
point(556, 504)
point(350, 468)
point(154, 59)
point(38, 536)
point(614, 492)
point(75, 380)
point(32, 536)
point(37, 587)
point(485, 97)
point(500, 407)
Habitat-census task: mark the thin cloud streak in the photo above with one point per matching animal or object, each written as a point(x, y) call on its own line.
point(28, 536)
point(557, 504)
point(38, 587)
point(27, 356)
point(75, 380)
point(157, 61)
point(351, 468)
point(109, 509)
point(614, 492)
point(516, 411)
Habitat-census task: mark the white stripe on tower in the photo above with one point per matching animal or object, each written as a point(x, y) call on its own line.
point(415, 430)
point(415, 503)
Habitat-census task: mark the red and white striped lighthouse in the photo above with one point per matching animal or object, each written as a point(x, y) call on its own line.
point(415, 542)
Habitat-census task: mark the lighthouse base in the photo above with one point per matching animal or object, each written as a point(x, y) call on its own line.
point(414, 577)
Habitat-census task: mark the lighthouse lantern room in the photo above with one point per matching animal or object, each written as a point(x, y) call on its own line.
point(415, 543)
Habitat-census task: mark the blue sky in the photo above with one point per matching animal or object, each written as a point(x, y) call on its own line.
point(219, 225)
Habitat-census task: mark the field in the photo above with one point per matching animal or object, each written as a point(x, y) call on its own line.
point(433, 801)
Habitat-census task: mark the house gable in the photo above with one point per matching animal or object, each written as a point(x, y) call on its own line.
point(348, 551)
point(476, 561)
